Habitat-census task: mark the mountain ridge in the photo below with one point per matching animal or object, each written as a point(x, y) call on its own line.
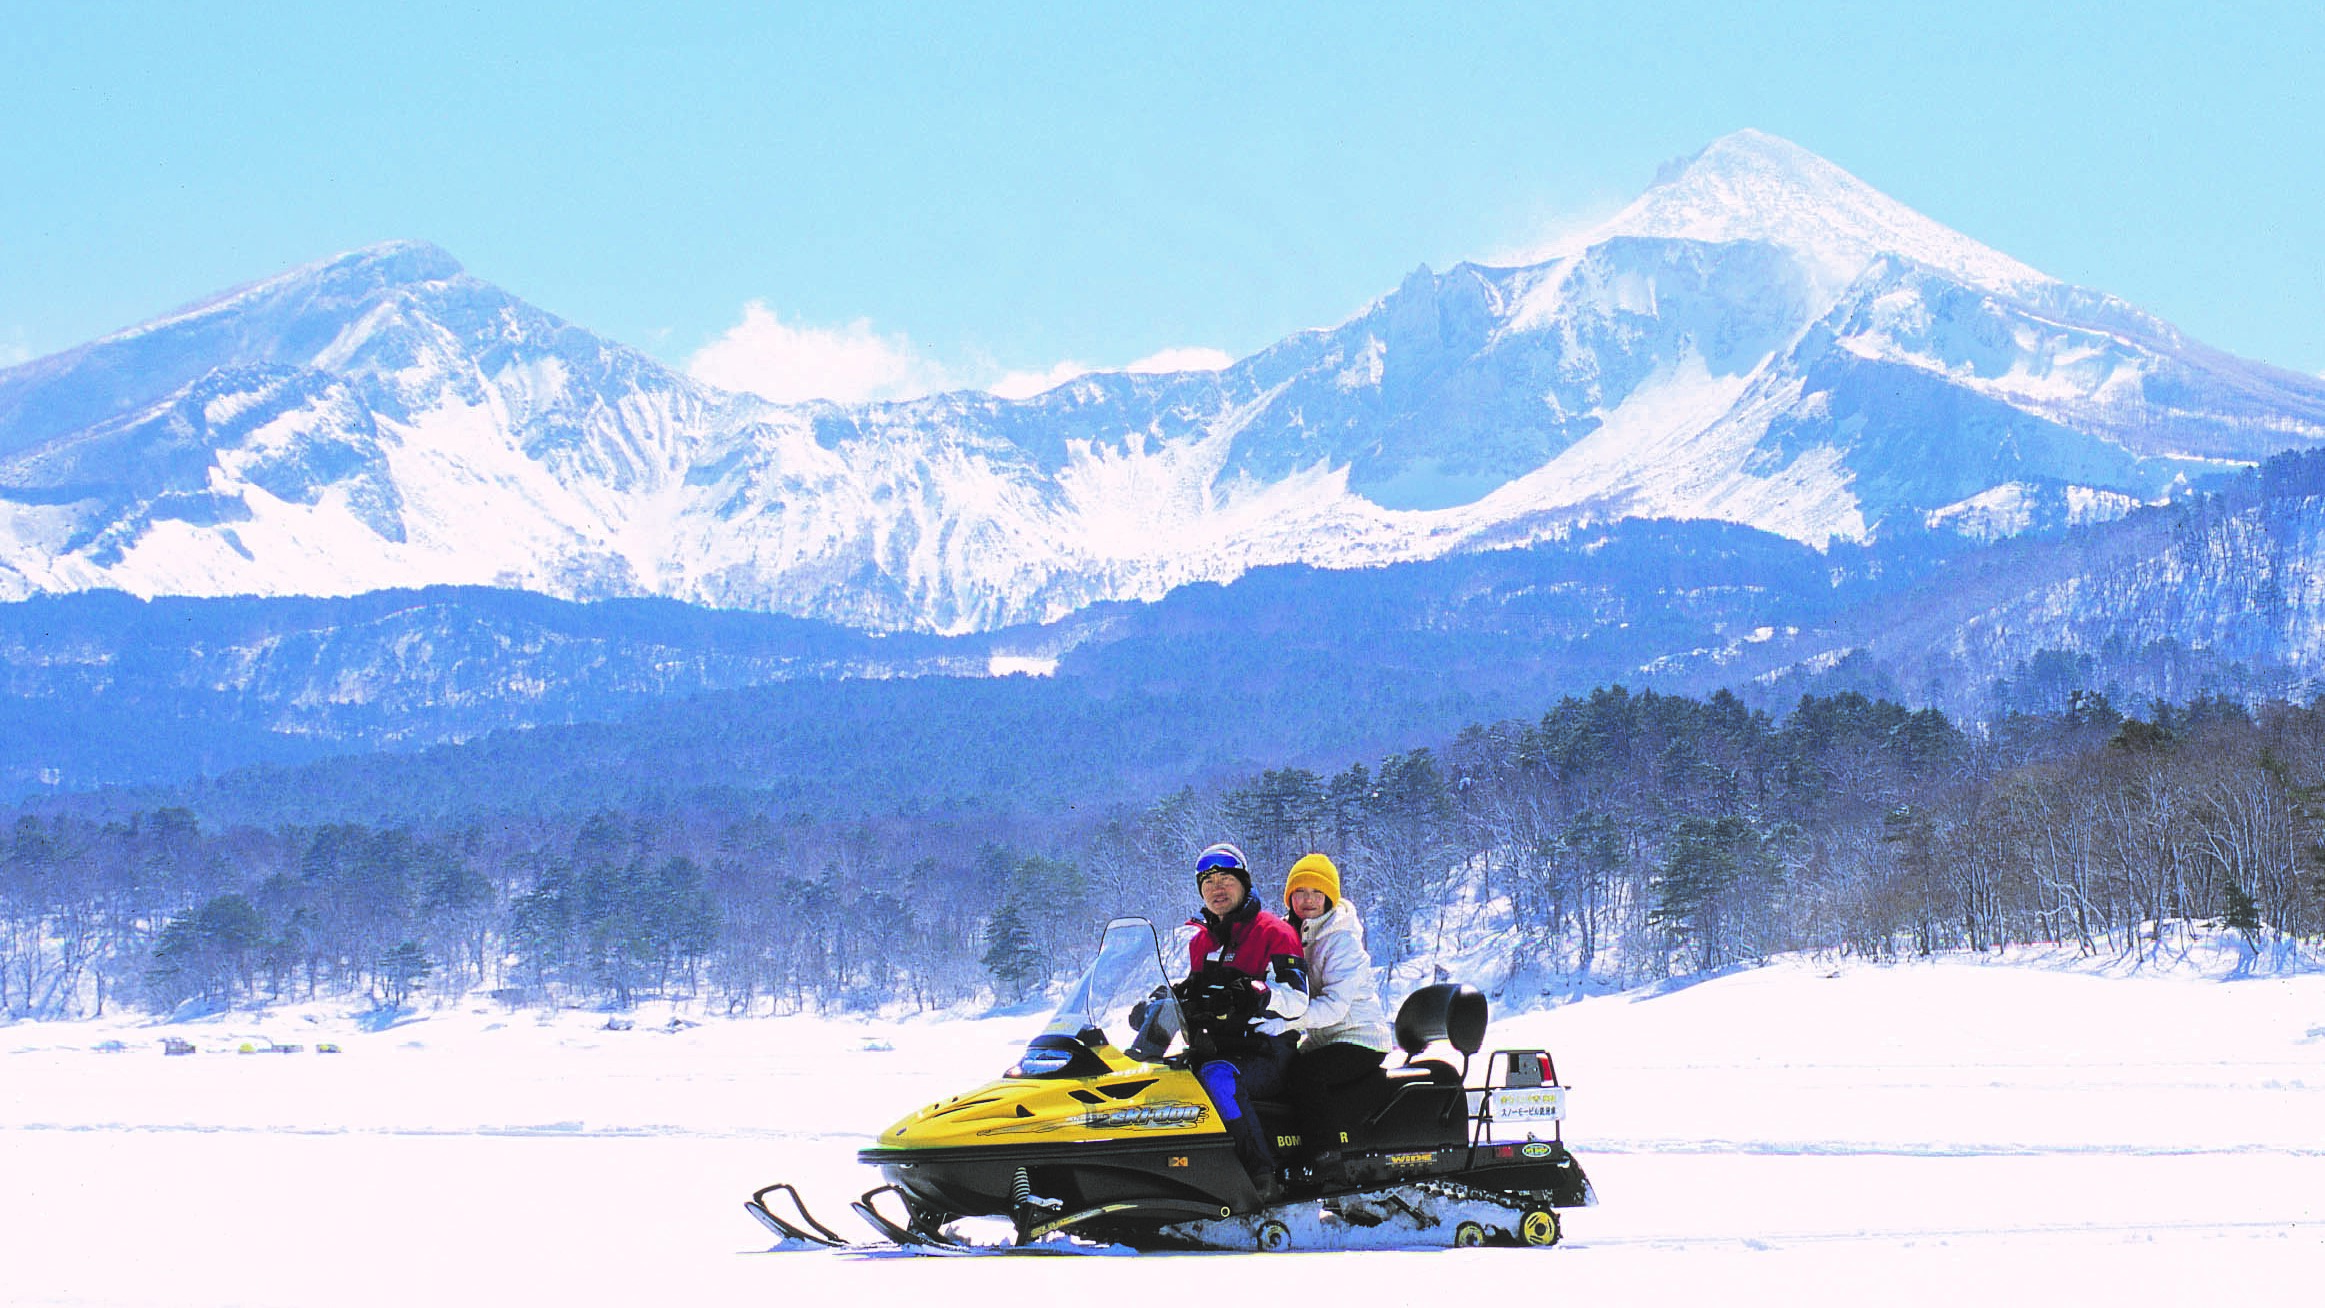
point(384, 419)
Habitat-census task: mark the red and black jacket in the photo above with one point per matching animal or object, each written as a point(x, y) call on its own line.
point(1258, 944)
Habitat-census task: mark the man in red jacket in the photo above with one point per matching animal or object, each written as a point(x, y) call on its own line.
point(1247, 984)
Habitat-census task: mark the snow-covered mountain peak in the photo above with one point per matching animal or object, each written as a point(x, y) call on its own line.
point(386, 265)
point(342, 277)
point(1761, 338)
point(1749, 185)
point(383, 262)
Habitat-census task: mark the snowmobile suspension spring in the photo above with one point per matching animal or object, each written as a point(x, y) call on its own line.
point(1021, 1189)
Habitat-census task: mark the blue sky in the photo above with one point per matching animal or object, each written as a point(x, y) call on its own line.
point(954, 193)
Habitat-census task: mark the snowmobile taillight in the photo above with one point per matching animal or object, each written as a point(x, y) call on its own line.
point(1523, 1069)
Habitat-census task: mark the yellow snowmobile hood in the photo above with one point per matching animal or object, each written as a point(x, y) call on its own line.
point(1129, 1101)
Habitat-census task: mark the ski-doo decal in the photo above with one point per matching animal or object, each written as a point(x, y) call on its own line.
point(1166, 1114)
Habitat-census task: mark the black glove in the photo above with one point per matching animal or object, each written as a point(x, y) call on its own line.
point(1153, 1024)
point(1220, 998)
point(1144, 1008)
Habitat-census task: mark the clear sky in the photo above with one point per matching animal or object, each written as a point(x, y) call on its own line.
point(907, 196)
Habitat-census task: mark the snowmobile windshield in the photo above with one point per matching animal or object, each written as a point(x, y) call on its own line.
point(1123, 999)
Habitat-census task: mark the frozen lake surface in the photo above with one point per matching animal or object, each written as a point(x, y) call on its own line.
point(2014, 1131)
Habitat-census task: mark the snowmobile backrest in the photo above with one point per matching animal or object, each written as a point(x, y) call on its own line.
point(1454, 1013)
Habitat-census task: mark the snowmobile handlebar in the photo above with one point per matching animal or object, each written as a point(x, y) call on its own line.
point(1220, 1004)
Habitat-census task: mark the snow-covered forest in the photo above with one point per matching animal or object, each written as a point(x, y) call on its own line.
point(1618, 838)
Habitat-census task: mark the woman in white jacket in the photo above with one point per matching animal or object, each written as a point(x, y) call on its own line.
point(1343, 1035)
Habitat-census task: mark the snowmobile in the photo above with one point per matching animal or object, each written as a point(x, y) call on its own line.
point(1101, 1133)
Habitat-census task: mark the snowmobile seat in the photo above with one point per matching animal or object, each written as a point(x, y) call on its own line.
point(1421, 1104)
point(1418, 1106)
point(1455, 1014)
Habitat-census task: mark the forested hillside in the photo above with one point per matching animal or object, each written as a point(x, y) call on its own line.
point(1618, 835)
point(644, 703)
point(107, 689)
point(439, 705)
point(2213, 594)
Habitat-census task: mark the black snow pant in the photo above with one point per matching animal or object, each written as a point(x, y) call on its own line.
point(1324, 1080)
point(1234, 1080)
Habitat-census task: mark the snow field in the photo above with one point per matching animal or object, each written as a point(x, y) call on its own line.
point(1799, 1133)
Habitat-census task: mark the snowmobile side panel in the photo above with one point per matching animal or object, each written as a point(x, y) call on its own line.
point(1144, 1101)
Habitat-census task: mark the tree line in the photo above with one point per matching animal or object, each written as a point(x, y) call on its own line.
point(1622, 835)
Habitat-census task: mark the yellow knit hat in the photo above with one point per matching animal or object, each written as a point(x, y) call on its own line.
point(1314, 872)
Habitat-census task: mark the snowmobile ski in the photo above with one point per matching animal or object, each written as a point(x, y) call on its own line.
point(921, 1232)
point(806, 1229)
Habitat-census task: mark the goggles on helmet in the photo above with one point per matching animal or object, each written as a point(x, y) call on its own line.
point(1217, 860)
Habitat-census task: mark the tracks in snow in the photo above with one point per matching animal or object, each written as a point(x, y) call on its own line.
point(1930, 1149)
point(2313, 1227)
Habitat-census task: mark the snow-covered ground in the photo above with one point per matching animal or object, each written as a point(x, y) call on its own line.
point(1967, 1130)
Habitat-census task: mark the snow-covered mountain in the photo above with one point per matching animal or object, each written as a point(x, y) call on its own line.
point(1759, 338)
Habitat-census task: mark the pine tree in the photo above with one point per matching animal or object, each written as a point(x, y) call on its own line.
point(1009, 952)
point(401, 970)
point(2242, 914)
